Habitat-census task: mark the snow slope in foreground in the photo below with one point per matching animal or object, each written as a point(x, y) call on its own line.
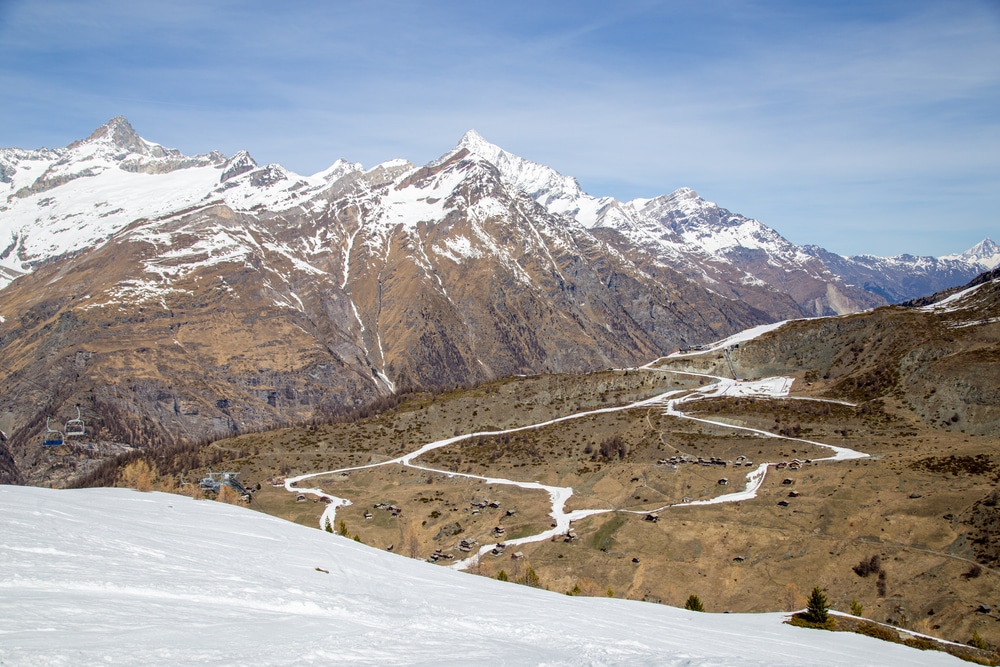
point(113, 576)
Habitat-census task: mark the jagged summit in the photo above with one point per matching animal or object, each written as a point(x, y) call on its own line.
point(683, 194)
point(236, 165)
point(683, 198)
point(475, 142)
point(338, 169)
point(119, 134)
point(117, 131)
point(559, 194)
point(986, 252)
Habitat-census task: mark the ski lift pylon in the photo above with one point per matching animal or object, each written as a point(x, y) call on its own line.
point(76, 426)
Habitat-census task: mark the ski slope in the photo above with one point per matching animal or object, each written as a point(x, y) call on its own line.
point(119, 577)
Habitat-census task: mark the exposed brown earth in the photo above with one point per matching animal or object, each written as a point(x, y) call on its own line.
point(923, 502)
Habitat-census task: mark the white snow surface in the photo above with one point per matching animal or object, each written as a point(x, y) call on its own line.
point(735, 339)
point(957, 301)
point(119, 577)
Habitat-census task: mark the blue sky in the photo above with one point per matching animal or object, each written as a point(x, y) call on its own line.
point(863, 127)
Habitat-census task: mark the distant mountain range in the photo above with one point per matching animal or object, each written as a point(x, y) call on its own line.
point(61, 200)
point(175, 297)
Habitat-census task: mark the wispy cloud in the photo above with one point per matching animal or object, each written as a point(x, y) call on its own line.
point(833, 123)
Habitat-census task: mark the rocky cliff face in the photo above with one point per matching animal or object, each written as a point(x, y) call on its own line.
point(175, 298)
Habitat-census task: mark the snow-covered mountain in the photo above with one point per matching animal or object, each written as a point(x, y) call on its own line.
point(178, 297)
point(59, 201)
point(114, 576)
point(725, 251)
point(985, 253)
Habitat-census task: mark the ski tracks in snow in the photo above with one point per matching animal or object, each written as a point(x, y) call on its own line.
point(775, 387)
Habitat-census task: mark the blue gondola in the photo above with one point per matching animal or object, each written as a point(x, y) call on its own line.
point(53, 438)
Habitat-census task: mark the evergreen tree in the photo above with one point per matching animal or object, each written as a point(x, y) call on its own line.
point(694, 604)
point(817, 608)
point(530, 578)
point(502, 575)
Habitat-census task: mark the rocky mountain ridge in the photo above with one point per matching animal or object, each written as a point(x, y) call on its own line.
point(680, 229)
point(718, 248)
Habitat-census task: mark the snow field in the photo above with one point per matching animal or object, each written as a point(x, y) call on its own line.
point(114, 576)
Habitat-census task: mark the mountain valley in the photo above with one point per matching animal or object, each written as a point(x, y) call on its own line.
point(474, 356)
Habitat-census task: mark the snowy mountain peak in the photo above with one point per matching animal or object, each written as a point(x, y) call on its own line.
point(338, 170)
point(679, 204)
point(475, 143)
point(236, 165)
point(986, 252)
point(119, 135)
point(687, 198)
point(559, 194)
point(117, 131)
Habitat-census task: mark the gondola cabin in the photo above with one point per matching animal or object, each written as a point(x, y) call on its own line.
point(75, 427)
point(53, 437)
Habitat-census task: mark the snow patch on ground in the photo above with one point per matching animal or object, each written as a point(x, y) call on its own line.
point(735, 339)
point(457, 249)
point(953, 303)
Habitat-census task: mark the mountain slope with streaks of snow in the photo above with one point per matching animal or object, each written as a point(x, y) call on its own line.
point(730, 253)
point(178, 297)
